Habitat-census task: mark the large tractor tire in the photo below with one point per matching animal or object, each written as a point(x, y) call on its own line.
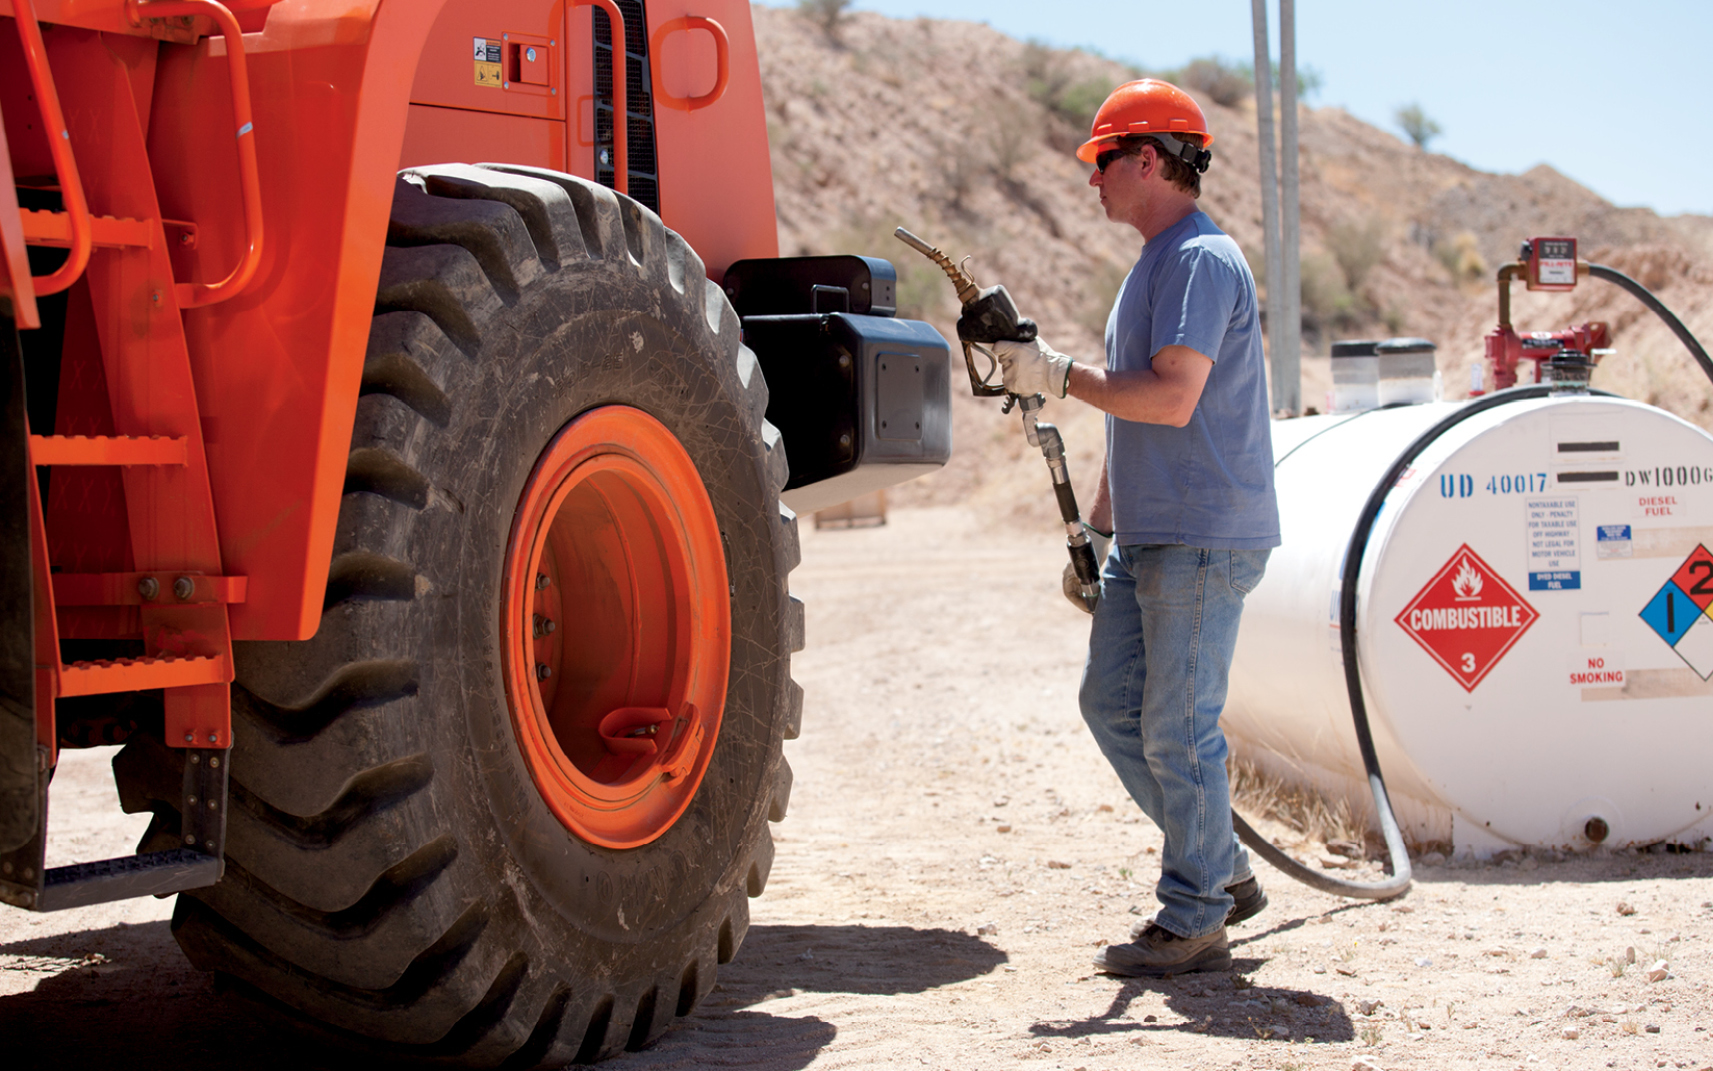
point(508, 803)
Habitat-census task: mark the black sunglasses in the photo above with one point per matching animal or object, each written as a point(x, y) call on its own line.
point(1104, 160)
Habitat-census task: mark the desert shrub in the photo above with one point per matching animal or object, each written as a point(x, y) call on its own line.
point(1010, 138)
point(1101, 291)
point(1227, 84)
point(961, 164)
point(1357, 245)
point(829, 15)
point(1081, 101)
point(1051, 82)
point(923, 292)
point(1416, 125)
point(1462, 257)
point(1328, 304)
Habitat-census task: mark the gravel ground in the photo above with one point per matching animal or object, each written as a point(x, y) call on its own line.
point(956, 851)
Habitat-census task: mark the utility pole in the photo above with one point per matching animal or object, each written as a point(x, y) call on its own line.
point(1287, 363)
point(1274, 260)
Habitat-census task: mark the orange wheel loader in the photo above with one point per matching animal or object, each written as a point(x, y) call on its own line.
point(396, 398)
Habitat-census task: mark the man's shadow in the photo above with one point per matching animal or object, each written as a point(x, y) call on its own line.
point(1221, 1004)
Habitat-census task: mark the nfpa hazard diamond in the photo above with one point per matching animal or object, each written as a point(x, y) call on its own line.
point(1682, 612)
point(1467, 617)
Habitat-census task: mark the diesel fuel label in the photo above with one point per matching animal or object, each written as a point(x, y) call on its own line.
point(487, 51)
point(1555, 559)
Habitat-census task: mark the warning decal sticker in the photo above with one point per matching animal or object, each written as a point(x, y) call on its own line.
point(1679, 612)
point(487, 62)
point(1467, 617)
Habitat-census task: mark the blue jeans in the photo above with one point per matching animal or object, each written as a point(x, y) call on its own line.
point(1159, 656)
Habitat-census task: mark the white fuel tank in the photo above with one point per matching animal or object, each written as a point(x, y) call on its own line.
point(1532, 623)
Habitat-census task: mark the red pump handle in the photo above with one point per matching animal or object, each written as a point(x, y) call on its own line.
point(722, 61)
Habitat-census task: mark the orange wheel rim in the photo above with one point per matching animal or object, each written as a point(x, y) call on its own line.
point(616, 627)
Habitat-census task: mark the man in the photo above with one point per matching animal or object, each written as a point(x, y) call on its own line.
point(1187, 495)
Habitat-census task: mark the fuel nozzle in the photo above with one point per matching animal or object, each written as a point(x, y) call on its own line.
point(990, 315)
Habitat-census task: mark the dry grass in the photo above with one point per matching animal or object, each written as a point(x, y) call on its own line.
point(1256, 795)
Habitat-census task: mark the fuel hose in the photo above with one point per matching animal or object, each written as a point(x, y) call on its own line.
point(1397, 854)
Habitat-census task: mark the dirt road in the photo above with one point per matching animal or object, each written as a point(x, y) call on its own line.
point(955, 853)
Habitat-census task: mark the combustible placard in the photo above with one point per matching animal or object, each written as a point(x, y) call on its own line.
point(1679, 612)
point(1467, 617)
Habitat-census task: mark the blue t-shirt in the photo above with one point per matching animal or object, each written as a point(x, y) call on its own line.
point(1209, 483)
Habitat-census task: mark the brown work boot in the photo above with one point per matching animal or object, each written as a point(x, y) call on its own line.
point(1247, 900)
point(1160, 953)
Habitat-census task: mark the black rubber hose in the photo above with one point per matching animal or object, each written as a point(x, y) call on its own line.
point(1646, 297)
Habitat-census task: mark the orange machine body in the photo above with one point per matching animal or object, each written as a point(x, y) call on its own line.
point(342, 95)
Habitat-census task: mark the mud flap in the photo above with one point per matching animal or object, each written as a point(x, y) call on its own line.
point(20, 791)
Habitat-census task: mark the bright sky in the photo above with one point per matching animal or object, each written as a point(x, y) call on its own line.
point(1612, 95)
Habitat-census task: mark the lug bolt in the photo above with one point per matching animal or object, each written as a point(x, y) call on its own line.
point(184, 587)
point(542, 580)
point(148, 587)
point(544, 626)
point(543, 671)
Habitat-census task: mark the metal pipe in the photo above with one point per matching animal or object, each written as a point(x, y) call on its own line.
point(1287, 364)
point(1274, 265)
point(1506, 274)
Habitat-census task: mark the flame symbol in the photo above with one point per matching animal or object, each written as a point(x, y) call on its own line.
point(1466, 585)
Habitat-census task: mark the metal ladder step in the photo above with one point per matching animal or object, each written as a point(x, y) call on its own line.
point(108, 450)
point(137, 674)
point(155, 874)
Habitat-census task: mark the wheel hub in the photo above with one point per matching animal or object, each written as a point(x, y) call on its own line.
point(616, 627)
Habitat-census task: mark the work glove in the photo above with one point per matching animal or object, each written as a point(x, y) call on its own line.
point(1033, 368)
point(1100, 543)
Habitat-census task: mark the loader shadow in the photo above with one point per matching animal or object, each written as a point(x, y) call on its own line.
point(125, 996)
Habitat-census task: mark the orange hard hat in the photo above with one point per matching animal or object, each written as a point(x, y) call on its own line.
point(1145, 106)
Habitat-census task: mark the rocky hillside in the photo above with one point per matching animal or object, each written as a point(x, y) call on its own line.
point(964, 135)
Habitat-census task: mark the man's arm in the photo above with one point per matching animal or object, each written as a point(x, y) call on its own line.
point(1165, 394)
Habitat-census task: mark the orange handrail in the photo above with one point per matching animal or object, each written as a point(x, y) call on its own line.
point(722, 61)
point(621, 93)
point(195, 295)
point(59, 144)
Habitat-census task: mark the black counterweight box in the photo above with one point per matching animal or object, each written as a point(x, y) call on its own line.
point(863, 402)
